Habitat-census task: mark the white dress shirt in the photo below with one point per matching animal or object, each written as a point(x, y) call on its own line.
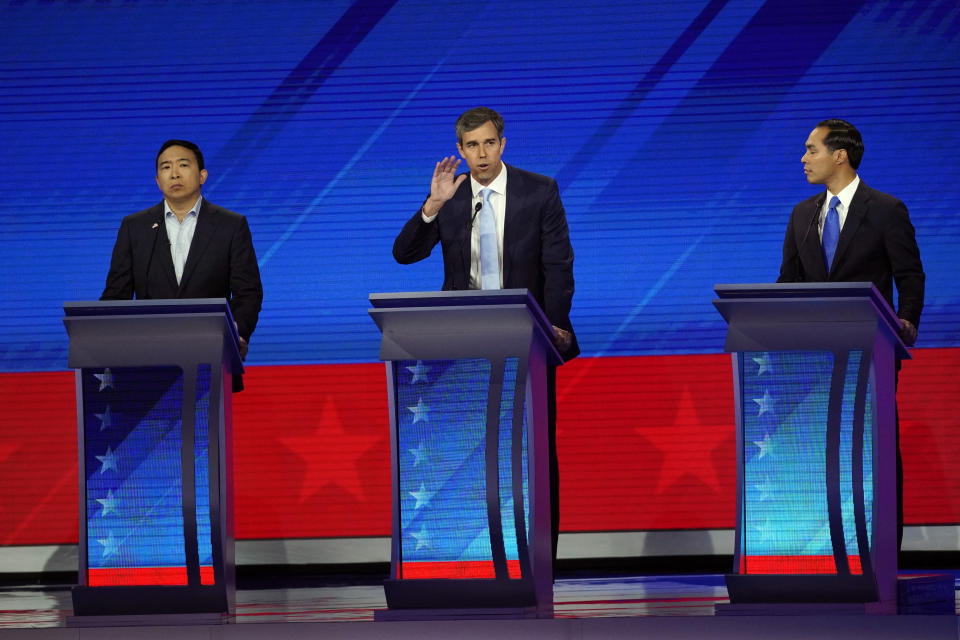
point(180, 234)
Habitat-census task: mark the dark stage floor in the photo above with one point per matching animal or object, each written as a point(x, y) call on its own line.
point(677, 606)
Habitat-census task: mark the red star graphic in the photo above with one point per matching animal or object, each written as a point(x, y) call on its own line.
point(330, 454)
point(688, 446)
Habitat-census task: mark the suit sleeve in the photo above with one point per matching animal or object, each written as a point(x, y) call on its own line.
point(246, 290)
point(417, 239)
point(557, 257)
point(119, 285)
point(904, 255)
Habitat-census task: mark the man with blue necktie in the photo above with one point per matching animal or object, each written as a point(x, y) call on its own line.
point(864, 236)
point(503, 228)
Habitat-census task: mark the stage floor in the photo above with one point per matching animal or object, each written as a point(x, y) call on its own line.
point(678, 606)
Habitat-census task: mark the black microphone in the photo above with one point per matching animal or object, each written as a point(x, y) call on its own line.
point(814, 219)
point(476, 210)
point(153, 248)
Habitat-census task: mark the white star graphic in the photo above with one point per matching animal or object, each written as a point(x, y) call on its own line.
point(764, 532)
point(418, 454)
point(763, 364)
point(422, 496)
point(765, 487)
point(108, 461)
point(106, 379)
point(109, 504)
point(110, 545)
point(106, 419)
point(765, 446)
point(420, 411)
point(422, 538)
point(419, 372)
point(765, 403)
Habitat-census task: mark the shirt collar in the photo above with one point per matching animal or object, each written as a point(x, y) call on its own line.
point(195, 211)
point(499, 184)
point(846, 194)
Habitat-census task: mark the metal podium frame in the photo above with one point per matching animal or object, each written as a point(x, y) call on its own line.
point(836, 318)
point(147, 333)
point(492, 325)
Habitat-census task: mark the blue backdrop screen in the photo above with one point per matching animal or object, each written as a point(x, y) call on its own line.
point(674, 130)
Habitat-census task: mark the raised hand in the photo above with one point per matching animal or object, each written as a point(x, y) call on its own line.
point(443, 184)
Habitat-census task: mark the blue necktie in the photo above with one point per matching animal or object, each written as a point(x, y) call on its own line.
point(489, 253)
point(831, 232)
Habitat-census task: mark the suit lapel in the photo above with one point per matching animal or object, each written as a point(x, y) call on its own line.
point(515, 192)
point(204, 231)
point(162, 254)
point(812, 258)
point(858, 210)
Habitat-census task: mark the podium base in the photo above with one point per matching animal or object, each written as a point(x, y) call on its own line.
point(207, 602)
point(147, 620)
point(464, 595)
point(917, 594)
point(496, 613)
point(806, 609)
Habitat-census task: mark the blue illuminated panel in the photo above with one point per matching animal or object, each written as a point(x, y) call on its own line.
point(785, 397)
point(441, 422)
point(132, 435)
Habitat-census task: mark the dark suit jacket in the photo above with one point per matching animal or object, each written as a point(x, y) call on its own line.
point(221, 263)
point(536, 244)
point(877, 244)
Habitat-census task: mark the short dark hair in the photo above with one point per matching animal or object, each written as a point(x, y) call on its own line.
point(843, 135)
point(475, 118)
point(180, 143)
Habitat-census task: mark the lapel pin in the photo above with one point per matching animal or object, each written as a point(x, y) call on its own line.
point(155, 225)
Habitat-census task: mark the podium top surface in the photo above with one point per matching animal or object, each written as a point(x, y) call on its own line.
point(452, 298)
point(150, 307)
point(766, 303)
point(470, 297)
point(119, 314)
point(798, 290)
point(469, 306)
point(801, 290)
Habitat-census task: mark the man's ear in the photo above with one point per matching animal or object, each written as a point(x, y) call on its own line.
point(203, 176)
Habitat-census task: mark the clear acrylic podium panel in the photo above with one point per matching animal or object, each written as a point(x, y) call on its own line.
point(132, 479)
point(441, 444)
point(785, 396)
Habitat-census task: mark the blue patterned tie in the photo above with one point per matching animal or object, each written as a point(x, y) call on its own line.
point(489, 253)
point(831, 232)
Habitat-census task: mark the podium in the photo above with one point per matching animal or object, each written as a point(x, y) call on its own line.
point(156, 496)
point(466, 380)
point(814, 385)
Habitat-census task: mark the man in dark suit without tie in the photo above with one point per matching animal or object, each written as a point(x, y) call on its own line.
point(187, 247)
point(522, 214)
point(852, 233)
